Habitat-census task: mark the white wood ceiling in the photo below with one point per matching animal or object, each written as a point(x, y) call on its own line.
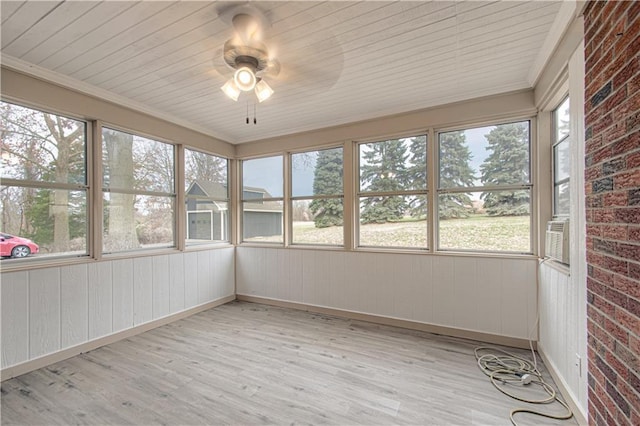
point(341, 61)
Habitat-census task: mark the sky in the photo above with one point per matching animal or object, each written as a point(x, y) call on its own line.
point(267, 172)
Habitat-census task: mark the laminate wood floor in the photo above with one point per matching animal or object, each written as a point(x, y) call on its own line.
point(245, 363)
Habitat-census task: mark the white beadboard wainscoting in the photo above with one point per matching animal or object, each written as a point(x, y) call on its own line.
point(490, 296)
point(560, 331)
point(45, 311)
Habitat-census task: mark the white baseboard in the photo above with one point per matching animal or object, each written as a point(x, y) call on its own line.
point(569, 397)
point(378, 319)
point(45, 360)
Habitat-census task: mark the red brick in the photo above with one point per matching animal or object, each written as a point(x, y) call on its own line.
point(634, 346)
point(633, 306)
point(628, 71)
point(593, 173)
point(633, 13)
point(630, 395)
point(634, 271)
point(634, 233)
point(595, 315)
point(633, 160)
point(604, 153)
point(622, 110)
point(616, 265)
point(628, 251)
point(627, 320)
point(595, 285)
point(615, 133)
point(596, 230)
point(603, 337)
point(596, 259)
point(627, 144)
point(618, 366)
point(626, 356)
point(616, 199)
point(614, 232)
point(627, 215)
point(627, 180)
point(603, 122)
point(633, 85)
point(605, 307)
point(595, 143)
point(628, 42)
point(603, 215)
point(617, 298)
point(627, 286)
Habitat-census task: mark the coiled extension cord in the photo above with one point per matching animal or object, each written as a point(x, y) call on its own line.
point(506, 368)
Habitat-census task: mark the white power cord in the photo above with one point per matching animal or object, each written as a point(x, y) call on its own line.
point(508, 369)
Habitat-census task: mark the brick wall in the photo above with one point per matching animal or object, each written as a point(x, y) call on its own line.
point(612, 111)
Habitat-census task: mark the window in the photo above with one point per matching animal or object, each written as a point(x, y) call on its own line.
point(561, 160)
point(262, 199)
point(392, 193)
point(316, 197)
point(484, 189)
point(138, 192)
point(44, 184)
point(206, 197)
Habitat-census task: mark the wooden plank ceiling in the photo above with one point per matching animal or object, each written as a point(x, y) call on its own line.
point(341, 61)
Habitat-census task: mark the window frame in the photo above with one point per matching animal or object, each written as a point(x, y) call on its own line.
point(227, 200)
point(359, 194)
point(291, 198)
point(11, 264)
point(283, 199)
point(555, 143)
point(530, 186)
point(101, 189)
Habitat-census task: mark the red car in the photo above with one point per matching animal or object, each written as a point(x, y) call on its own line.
point(12, 246)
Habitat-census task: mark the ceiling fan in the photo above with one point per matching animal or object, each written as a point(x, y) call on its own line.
point(248, 55)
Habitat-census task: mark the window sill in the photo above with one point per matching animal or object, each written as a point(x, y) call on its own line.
point(558, 266)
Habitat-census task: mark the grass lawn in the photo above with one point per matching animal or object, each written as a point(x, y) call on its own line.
point(478, 232)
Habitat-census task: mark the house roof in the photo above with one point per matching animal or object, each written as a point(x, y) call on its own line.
point(218, 191)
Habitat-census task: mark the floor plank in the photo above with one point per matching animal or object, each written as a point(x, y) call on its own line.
point(245, 363)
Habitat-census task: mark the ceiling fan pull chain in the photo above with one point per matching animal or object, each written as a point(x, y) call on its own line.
point(247, 111)
point(255, 120)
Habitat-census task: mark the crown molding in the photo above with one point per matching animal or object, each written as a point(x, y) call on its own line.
point(71, 83)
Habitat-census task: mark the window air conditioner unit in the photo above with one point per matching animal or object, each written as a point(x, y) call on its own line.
point(557, 240)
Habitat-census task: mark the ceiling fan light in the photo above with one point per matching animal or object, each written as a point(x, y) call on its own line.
point(231, 90)
point(245, 78)
point(263, 91)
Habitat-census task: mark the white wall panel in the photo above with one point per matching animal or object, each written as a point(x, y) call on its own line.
point(100, 283)
point(161, 286)
point(453, 291)
point(204, 277)
point(74, 305)
point(14, 299)
point(444, 301)
point(47, 310)
point(122, 294)
point(190, 279)
point(142, 290)
point(176, 283)
point(44, 311)
point(488, 281)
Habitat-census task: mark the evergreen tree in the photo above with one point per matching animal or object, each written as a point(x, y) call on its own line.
point(327, 180)
point(455, 172)
point(417, 174)
point(508, 164)
point(383, 169)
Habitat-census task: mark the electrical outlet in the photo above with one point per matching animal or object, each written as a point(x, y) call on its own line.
point(579, 364)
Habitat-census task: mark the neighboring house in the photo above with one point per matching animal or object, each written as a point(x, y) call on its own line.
point(260, 218)
point(208, 214)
